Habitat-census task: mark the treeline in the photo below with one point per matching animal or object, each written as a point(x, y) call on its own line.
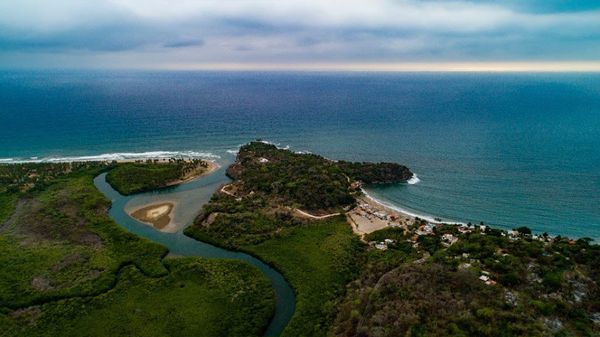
point(130, 178)
point(376, 173)
point(308, 181)
point(28, 176)
point(235, 223)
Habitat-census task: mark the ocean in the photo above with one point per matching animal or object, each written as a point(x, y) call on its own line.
point(508, 149)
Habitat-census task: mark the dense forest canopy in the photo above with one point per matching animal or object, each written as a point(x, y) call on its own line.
point(308, 180)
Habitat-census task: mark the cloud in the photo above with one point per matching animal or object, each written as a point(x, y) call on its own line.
point(162, 31)
point(184, 43)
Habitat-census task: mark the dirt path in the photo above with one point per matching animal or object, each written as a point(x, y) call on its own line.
point(318, 217)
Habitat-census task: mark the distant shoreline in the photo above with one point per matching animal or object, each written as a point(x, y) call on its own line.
point(119, 157)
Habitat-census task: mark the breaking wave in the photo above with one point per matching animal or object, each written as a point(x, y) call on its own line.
point(426, 217)
point(413, 180)
point(115, 156)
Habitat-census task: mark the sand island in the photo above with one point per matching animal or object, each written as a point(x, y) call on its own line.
point(157, 215)
point(142, 176)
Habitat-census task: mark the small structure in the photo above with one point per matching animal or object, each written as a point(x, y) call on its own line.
point(464, 229)
point(380, 215)
point(449, 239)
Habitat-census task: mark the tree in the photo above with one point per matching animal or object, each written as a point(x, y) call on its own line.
point(523, 230)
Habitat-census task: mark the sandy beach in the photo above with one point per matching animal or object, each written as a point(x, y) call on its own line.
point(369, 216)
point(199, 172)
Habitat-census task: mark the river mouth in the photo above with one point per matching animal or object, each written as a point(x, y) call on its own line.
point(190, 197)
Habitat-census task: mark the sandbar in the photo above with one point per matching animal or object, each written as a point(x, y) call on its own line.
point(157, 215)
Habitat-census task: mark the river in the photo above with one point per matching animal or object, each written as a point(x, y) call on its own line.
point(191, 196)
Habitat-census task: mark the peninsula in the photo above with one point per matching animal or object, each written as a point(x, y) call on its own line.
point(356, 267)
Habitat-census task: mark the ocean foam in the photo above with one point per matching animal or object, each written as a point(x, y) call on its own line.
point(428, 218)
point(116, 156)
point(233, 151)
point(277, 145)
point(413, 180)
point(268, 142)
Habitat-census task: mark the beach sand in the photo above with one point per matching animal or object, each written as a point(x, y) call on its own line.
point(370, 216)
point(200, 172)
point(157, 215)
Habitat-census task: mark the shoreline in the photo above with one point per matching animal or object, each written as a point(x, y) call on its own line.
point(394, 208)
point(210, 168)
point(157, 214)
point(372, 214)
point(119, 157)
point(164, 221)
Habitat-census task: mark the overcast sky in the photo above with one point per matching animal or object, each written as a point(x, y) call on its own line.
point(188, 33)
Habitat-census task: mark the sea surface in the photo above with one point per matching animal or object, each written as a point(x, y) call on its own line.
point(505, 149)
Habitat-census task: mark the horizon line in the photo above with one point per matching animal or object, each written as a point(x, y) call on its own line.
point(551, 66)
point(466, 67)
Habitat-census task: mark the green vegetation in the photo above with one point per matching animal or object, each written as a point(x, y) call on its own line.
point(68, 270)
point(270, 182)
point(130, 178)
point(318, 260)
point(235, 223)
point(375, 173)
point(487, 283)
point(7, 206)
point(307, 181)
point(197, 298)
point(257, 215)
point(60, 243)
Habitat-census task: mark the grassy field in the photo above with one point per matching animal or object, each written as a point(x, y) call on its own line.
point(7, 205)
point(318, 260)
point(197, 298)
point(61, 243)
point(69, 270)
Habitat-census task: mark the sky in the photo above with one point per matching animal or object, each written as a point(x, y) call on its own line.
point(301, 34)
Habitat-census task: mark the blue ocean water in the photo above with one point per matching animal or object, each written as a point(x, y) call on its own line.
point(506, 149)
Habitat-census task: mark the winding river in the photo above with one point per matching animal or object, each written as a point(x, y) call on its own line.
point(190, 197)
